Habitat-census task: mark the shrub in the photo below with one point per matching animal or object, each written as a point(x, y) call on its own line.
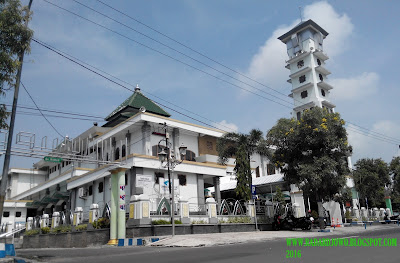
point(81, 227)
point(199, 222)
point(45, 230)
point(60, 229)
point(165, 222)
point(32, 232)
point(101, 223)
point(237, 220)
point(347, 215)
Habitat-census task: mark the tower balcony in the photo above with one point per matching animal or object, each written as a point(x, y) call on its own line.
point(300, 72)
point(305, 106)
point(323, 70)
point(324, 85)
point(302, 87)
point(298, 57)
point(328, 104)
point(321, 55)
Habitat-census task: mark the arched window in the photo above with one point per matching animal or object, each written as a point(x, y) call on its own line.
point(123, 150)
point(190, 156)
point(116, 154)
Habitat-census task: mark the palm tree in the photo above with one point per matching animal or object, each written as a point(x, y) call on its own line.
point(242, 146)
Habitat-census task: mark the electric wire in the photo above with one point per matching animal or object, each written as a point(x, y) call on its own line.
point(119, 84)
point(54, 128)
point(169, 56)
point(194, 59)
point(382, 139)
point(127, 83)
point(173, 57)
point(203, 55)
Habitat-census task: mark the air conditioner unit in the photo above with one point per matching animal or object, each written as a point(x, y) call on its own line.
point(82, 192)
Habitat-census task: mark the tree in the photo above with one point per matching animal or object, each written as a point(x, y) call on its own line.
point(15, 39)
point(394, 170)
point(312, 153)
point(242, 146)
point(371, 177)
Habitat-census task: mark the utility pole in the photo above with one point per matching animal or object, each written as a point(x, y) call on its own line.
point(6, 165)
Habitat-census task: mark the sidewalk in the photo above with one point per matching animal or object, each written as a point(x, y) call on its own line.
point(216, 239)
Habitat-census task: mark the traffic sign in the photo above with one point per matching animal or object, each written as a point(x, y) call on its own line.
point(53, 159)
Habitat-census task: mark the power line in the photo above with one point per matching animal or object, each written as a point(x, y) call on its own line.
point(203, 55)
point(57, 111)
point(377, 133)
point(166, 55)
point(53, 116)
point(119, 84)
point(373, 136)
point(129, 84)
point(65, 56)
point(178, 59)
point(194, 59)
point(54, 128)
point(191, 49)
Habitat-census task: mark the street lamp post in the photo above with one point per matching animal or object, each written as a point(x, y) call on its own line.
point(168, 160)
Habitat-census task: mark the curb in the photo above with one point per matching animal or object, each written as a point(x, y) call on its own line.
point(131, 242)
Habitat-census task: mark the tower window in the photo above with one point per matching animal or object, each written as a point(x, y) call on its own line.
point(298, 115)
point(323, 92)
point(302, 78)
point(90, 190)
point(300, 64)
point(318, 62)
point(304, 94)
point(321, 78)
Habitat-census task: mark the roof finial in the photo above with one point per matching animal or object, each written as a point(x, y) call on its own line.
point(137, 87)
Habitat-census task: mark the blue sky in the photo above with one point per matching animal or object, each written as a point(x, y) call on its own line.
point(362, 45)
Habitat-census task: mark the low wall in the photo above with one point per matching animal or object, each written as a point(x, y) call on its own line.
point(87, 238)
point(99, 237)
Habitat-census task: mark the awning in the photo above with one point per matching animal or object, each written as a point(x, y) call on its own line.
point(49, 205)
point(60, 195)
point(48, 199)
point(60, 202)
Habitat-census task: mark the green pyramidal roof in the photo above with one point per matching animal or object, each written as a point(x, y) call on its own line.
point(136, 101)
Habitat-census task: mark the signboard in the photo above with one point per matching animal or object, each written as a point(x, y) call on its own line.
point(253, 192)
point(143, 181)
point(52, 159)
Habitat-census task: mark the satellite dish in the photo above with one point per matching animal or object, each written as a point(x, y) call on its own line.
point(142, 109)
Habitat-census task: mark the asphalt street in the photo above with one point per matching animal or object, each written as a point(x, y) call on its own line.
point(275, 250)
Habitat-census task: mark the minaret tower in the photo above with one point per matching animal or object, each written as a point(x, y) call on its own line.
point(306, 63)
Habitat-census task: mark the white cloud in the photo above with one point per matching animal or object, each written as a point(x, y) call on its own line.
point(355, 87)
point(226, 126)
point(337, 25)
point(268, 65)
point(371, 144)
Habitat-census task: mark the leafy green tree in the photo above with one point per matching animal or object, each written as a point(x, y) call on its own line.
point(394, 169)
point(370, 178)
point(15, 39)
point(242, 146)
point(312, 153)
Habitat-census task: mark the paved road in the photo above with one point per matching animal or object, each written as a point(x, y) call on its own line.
point(264, 251)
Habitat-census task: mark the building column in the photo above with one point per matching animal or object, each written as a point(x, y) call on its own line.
point(117, 218)
point(217, 192)
point(200, 189)
point(128, 146)
point(146, 143)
